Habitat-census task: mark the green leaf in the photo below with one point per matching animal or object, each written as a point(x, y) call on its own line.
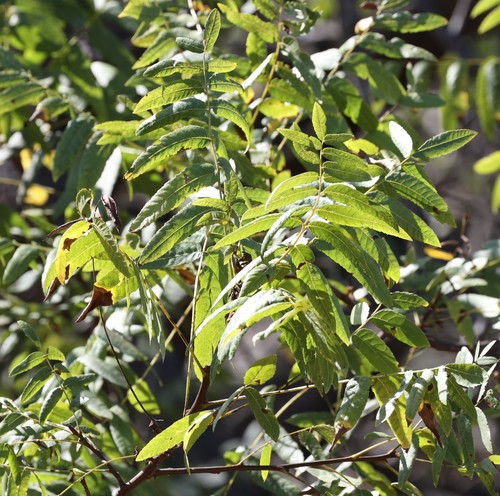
point(466, 374)
point(145, 396)
point(251, 23)
point(443, 144)
point(174, 192)
point(20, 95)
point(104, 368)
point(492, 20)
point(55, 354)
point(49, 403)
point(404, 22)
point(417, 393)
point(378, 248)
point(411, 223)
point(407, 459)
point(260, 371)
point(264, 415)
point(190, 44)
point(255, 226)
point(110, 246)
point(384, 388)
point(212, 29)
point(165, 95)
point(166, 68)
point(486, 95)
point(263, 304)
point(380, 77)
point(353, 402)
point(187, 137)
point(92, 162)
point(183, 110)
point(352, 208)
point(72, 144)
point(119, 429)
point(265, 459)
point(29, 332)
point(397, 325)
point(182, 225)
point(420, 193)
point(375, 351)
point(196, 429)
point(319, 121)
point(324, 300)
point(401, 139)
point(228, 111)
point(437, 464)
point(266, 8)
point(35, 384)
point(169, 438)
point(30, 362)
point(460, 398)
point(333, 243)
point(19, 263)
point(407, 301)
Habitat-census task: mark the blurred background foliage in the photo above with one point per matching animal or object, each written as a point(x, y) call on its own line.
point(75, 59)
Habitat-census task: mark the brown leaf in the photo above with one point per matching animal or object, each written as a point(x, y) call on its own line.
point(100, 298)
point(427, 415)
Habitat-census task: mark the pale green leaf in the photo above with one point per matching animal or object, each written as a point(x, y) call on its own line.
point(484, 430)
point(187, 137)
point(384, 388)
point(169, 438)
point(319, 121)
point(264, 415)
point(174, 192)
point(466, 374)
point(492, 20)
point(489, 164)
point(417, 393)
point(401, 138)
point(444, 143)
point(375, 351)
point(483, 6)
point(265, 459)
point(260, 371)
point(407, 460)
point(212, 29)
point(353, 402)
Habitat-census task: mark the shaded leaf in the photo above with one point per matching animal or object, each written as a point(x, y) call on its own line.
point(375, 351)
point(264, 415)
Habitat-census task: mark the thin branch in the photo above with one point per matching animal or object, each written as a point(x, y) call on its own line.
point(285, 467)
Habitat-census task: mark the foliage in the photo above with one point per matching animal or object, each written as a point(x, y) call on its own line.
point(311, 258)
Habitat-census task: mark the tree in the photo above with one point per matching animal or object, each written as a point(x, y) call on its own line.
point(277, 196)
